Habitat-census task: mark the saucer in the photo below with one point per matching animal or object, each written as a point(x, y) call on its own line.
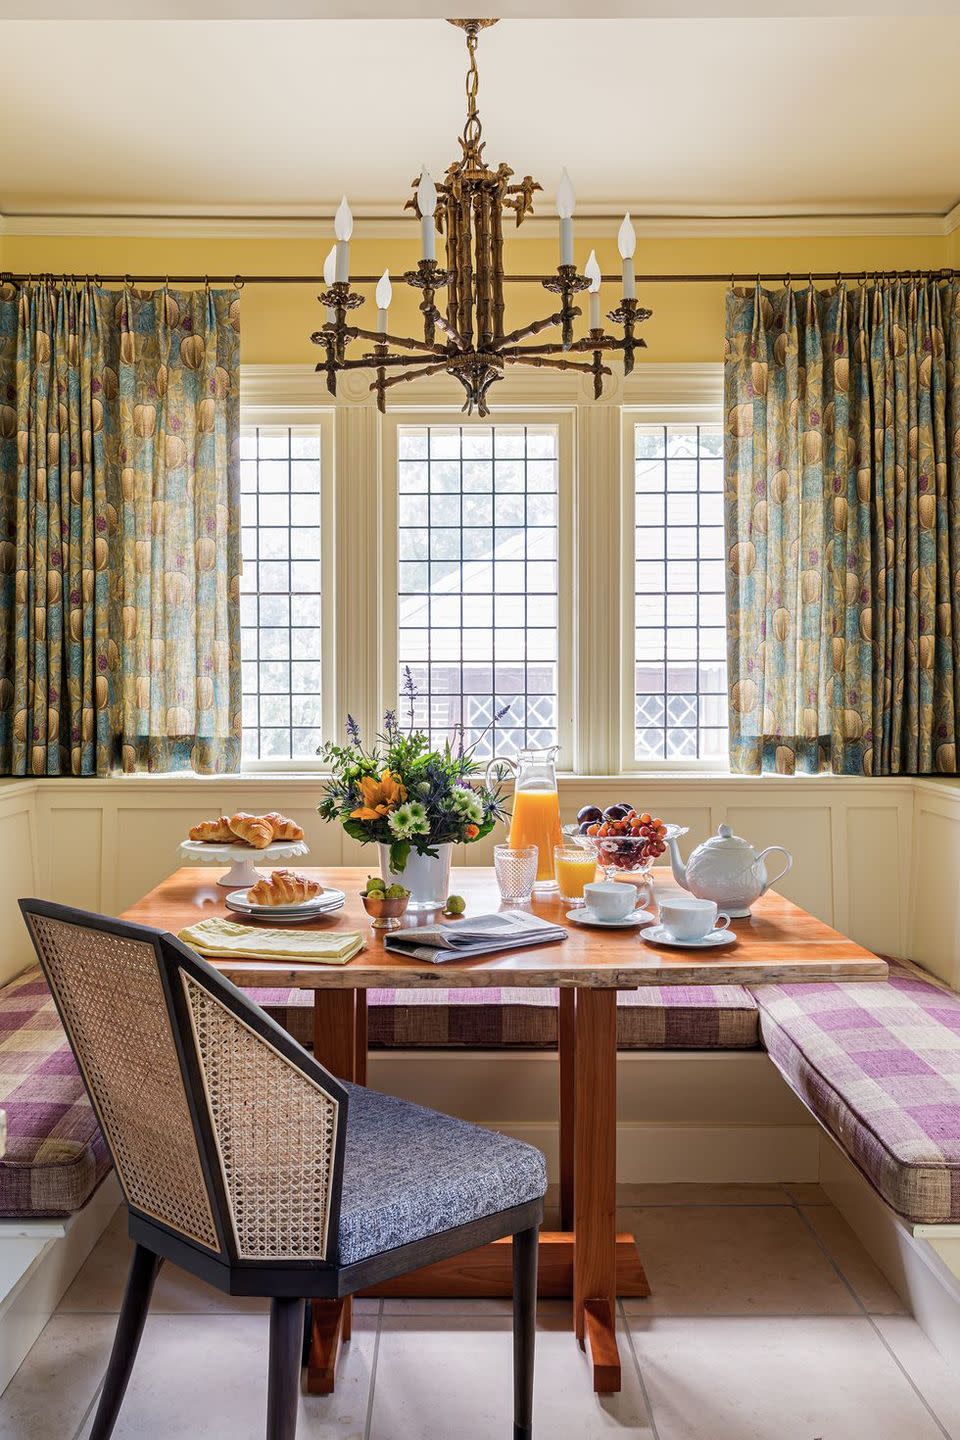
point(660, 935)
point(327, 900)
point(585, 916)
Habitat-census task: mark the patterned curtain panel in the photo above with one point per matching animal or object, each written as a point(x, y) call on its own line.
point(119, 548)
point(842, 497)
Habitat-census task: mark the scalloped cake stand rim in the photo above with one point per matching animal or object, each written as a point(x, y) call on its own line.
point(242, 859)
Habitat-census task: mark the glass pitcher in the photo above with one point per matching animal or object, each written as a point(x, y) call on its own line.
point(536, 807)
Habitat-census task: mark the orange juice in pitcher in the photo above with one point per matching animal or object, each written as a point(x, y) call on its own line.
point(536, 808)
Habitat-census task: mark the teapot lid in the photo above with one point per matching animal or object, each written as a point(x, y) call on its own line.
point(726, 840)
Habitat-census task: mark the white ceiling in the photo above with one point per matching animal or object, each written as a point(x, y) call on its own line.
point(255, 117)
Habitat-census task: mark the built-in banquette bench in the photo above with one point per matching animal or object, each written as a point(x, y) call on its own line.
point(878, 1064)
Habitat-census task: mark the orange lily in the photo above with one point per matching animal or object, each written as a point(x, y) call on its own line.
point(379, 796)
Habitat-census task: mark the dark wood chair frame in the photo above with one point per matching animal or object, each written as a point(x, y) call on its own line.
point(287, 1284)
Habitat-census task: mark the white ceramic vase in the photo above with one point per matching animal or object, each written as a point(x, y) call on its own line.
point(427, 879)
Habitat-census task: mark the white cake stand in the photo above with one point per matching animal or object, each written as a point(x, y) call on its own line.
point(242, 859)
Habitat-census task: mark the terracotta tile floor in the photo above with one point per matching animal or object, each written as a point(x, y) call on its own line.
point(768, 1322)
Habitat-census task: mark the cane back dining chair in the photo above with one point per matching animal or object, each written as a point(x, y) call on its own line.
point(246, 1163)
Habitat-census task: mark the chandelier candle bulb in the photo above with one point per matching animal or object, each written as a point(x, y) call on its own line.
point(427, 204)
point(329, 276)
point(592, 272)
point(566, 200)
point(343, 229)
point(384, 296)
point(627, 244)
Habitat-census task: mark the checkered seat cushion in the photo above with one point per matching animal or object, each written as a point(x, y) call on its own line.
point(409, 1172)
point(879, 1065)
point(55, 1156)
point(668, 1017)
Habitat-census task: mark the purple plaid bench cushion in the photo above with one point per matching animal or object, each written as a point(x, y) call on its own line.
point(669, 1017)
point(55, 1156)
point(879, 1065)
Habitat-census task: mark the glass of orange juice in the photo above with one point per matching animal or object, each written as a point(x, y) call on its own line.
point(574, 867)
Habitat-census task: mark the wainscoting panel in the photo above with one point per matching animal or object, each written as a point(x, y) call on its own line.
point(104, 842)
point(18, 873)
point(805, 830)
point(935, 887)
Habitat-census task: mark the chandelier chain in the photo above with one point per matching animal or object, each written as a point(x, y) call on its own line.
point(472, 130)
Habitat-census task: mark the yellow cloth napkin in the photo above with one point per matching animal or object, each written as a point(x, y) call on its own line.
point(221, 939)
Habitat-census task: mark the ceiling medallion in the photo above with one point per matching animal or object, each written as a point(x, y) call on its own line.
point(467, 339)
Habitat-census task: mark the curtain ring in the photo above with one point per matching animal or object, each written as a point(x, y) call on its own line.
point(128, 281)
point(239, 282)
point(787, 280)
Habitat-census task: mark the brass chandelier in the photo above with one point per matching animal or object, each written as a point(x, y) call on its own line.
point(467, 339)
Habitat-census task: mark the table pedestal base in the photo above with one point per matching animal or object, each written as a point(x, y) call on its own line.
point(487, 1273)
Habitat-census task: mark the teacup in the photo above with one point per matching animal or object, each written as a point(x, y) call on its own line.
point(610, 900)
point(687, 918)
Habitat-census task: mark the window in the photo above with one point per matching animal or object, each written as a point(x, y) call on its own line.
point(280, 592)
point(680, 669)
point(478, 561)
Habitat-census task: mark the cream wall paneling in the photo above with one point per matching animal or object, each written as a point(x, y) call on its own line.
point(102, 843)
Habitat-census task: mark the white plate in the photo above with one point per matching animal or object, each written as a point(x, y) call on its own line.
point(275, 916)
point(660, 935)
point(240, 900)
point(587, 917)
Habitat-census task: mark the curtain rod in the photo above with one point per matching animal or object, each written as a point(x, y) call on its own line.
point(726, 278)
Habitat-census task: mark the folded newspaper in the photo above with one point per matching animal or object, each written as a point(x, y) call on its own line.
point(483, 935)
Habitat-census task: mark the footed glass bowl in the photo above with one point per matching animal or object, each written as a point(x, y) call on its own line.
point(621, 854)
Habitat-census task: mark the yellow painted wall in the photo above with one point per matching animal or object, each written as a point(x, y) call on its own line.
point(687, 324)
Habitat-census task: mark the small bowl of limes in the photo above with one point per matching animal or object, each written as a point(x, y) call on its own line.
point(385, 904)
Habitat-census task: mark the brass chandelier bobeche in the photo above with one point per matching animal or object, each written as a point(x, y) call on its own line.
point(468, 339)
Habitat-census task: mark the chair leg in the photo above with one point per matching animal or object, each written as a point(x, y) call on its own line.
point(126, 1342)
point(525, 1254)
point(286, 1351)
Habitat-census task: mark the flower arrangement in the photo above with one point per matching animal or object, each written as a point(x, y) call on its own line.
point(404, 794)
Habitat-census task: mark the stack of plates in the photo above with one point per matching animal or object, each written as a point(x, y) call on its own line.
point(325, 903)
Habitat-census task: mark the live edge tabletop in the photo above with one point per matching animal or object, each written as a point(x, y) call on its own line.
point(780, 942)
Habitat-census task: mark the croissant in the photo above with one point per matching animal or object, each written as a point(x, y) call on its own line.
point(252, 829)
point(212, 832)
point(283, 887)
point(284, 829)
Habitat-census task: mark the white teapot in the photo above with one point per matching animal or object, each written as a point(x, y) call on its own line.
point(727, 869)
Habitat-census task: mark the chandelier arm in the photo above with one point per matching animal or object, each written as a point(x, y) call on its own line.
point(443, 324)
point(532, 329)
point(355, 332)
point(412, 375)
point(370, 362)
point(547, 362)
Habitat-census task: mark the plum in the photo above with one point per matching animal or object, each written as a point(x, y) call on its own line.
point(584, 826)
point(616, 812)
point(589, 814)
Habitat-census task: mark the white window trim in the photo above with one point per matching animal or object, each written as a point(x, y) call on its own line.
point(564, 419)
point(321, 418)
point(630, 416)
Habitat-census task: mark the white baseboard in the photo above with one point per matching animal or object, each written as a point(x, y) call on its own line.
point(924, 1271)
point(38, 1261)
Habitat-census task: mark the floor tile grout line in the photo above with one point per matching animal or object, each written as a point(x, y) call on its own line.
point(647, 1402)
point(89, 1410)
point(875, 1328)
point(368, 1423)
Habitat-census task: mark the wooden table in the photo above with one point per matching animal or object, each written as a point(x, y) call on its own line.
point(779, 942)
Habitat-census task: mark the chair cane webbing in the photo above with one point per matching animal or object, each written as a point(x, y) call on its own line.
point(111, 1000)
point(276, 1133)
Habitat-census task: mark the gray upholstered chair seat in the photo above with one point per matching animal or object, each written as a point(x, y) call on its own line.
point(410, 1172)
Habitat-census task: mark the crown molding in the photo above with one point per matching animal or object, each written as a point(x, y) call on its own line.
point(379, 223)
point(291, 390)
